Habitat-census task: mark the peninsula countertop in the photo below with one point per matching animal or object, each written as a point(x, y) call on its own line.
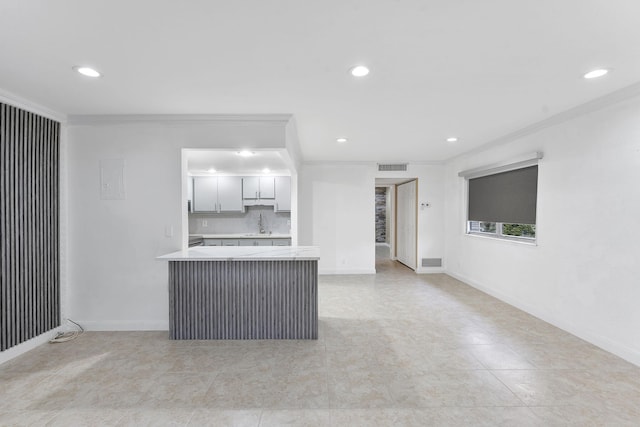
point(244, 253)
point(243, 236)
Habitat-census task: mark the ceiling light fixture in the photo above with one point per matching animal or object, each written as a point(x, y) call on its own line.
point(452, 139)
point(211, 170)
point(341, 140)
point(245, 153)
point(87, 71)
point(266, 170)
point(359, 71)
point(594, 74)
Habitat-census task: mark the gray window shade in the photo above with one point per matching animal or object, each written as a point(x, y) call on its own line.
point(508, 197)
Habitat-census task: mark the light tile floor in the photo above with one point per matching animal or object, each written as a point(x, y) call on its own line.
point(395, 349)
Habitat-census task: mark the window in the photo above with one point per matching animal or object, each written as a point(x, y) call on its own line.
point(526, 232)
point(502, 200)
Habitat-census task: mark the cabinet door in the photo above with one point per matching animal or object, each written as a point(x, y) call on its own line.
point(205, 194)
point(229, 194)
point(283, 193)
point(267, 188)
point(263, 242)
point(281, 242)
point(250, 187)
point(229, 242)
point(190, 193)
point(246, 242)
point(212, 242)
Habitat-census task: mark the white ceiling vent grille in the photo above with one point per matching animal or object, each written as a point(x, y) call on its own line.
point(385, 167)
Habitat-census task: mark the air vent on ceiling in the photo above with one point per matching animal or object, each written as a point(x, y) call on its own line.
point(432, 262)
point(383, 167)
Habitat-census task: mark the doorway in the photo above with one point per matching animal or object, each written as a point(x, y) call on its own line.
point(396, 221)
point(384, 222)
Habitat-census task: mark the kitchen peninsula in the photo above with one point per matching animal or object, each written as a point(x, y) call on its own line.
point(243, 292)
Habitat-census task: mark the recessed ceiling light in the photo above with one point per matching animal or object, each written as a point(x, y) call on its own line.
point(211, 170)
point(452, 139)
point(342, 139)
point(245, 153)
point(266, 170)
point(594, 74)
point(359, 71)
point(87, 71)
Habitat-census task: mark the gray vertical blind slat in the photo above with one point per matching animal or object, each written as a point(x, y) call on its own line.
point(508, 197)
point(29, 223)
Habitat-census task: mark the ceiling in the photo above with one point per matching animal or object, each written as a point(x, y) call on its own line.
point(200, 162)
point(477, 70)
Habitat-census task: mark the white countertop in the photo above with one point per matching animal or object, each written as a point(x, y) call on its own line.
point(244, 253)
point(243, 236)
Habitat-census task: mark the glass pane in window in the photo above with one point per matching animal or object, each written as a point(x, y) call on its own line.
point(488, 227)
point(519, 230)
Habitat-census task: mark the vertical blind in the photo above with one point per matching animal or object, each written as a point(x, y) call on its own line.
point(29, 225)
point(508, 197)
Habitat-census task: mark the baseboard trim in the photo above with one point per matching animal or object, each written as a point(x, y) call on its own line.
point(430, 270)
point(349, 272)
point(621, 350)
point(26, 346)
point(124, 325)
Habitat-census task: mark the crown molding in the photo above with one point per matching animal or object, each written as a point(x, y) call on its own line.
point(217, 119)
point(27, 105)
point(594, 105)
point(338, 163)
point(372, 163)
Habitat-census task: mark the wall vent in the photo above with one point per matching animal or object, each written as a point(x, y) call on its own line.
point(432, 262)
point(384, 167)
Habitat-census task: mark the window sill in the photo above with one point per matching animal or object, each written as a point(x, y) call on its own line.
point(526, 242)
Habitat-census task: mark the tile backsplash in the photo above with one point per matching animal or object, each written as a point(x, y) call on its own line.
point(247, 222)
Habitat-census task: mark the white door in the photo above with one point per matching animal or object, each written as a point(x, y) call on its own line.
point(406, 224)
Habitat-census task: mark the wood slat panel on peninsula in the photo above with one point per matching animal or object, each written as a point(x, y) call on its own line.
point(269, 293)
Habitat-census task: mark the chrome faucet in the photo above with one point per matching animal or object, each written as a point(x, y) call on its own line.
point(260, 224)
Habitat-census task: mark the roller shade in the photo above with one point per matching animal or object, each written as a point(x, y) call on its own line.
point(508, 197)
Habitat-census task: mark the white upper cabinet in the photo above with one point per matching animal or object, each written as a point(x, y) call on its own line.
point(190, 194)
point(283, 193)
point(267, 188)
point(205, 194)
point(258, 187)
point(217, 194)
point(230, 194)
point(250, 187)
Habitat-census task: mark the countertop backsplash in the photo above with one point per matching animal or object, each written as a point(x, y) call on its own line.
point(247, 222)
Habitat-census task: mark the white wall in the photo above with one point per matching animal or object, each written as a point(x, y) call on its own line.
point(114, 280)
point(337, 213)
point(583, 275)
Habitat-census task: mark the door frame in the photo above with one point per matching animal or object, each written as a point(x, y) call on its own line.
point(392, 184)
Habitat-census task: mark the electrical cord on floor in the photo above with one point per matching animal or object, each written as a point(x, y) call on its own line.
point(68, 336)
